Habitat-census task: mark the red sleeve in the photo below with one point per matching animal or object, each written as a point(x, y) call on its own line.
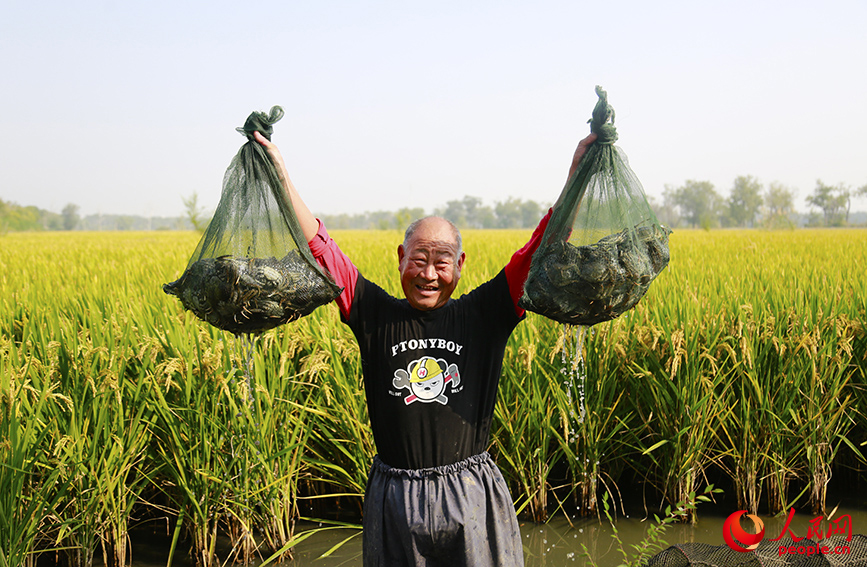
point(332, 258)
point(519, 266)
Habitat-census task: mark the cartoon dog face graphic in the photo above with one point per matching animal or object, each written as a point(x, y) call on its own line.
point(427, 379)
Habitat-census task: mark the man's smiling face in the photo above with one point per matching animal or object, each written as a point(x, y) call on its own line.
point(430, 264)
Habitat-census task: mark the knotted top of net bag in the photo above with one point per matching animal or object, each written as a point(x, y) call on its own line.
point(603, 244)
point(253, 269)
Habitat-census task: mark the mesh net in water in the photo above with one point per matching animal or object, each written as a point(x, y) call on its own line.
point(252, 270)
point(835, 551)
point(603, 245)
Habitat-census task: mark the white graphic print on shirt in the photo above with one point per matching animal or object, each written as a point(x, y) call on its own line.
point(426, 378)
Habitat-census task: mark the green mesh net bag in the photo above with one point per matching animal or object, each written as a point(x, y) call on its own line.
point(603, 245)
point(252, 270)
point(841, 551)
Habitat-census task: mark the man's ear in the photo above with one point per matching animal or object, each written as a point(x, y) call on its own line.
point(461, 261)
point(400, 254)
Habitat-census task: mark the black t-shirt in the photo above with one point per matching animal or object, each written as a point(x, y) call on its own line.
point(431, 376)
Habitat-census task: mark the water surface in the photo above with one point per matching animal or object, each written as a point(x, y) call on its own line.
point(557, 543)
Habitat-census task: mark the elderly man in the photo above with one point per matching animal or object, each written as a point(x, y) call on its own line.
point(431, 368)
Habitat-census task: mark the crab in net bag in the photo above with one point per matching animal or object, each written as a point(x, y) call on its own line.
point(253, 270)
point(603, 245)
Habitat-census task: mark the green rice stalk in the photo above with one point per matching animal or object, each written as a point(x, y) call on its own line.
point(597, 447)
point(340, 449)
point(678, 388)
point(527, 439)
point(89, 307)
point(103, 435)
point(194, 412)
point(30, 485)
point(825, 416)
point(281, 437)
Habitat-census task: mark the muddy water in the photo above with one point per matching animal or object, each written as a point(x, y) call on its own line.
point(545, 545)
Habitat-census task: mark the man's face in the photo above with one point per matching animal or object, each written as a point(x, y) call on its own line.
point(430, 266)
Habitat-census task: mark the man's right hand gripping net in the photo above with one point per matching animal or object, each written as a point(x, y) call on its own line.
point(603, 245)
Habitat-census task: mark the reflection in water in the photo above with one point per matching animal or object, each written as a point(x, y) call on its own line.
point(555, 544)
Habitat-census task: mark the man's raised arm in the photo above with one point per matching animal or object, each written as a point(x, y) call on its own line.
point(324, 249)
point(309, 224)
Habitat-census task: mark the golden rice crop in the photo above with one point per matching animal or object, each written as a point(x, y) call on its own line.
point(745, 359)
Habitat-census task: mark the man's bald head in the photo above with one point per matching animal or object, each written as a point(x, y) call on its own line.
point(411, 229)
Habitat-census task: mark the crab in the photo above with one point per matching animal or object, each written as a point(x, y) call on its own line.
point(251, 295)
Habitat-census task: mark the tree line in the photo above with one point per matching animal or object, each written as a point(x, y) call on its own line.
point(468, 212)
point(693, 204)
point(749, 204)
point(18, 218)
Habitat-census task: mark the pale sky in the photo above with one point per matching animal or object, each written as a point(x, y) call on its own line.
point(124, 107)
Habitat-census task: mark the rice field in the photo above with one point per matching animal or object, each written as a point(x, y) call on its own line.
point(745, 363)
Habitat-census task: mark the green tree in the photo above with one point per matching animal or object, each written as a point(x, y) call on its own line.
point(4, 216)
point(697, 202)
point(468, 213)
point(779, 202)
point(531, 213)
point(859, 192)
point(517, 213)
point(666, 212)
point(25, 218)
point(834, 202)
point(508, 213)
point(124, 222)
point(70, 216)
point(404, 216)
point(485, 218)
point(194, 212)
point(52, 221)
point(745, 201)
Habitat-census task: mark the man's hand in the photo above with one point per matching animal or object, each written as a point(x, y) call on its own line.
point(309, 224)
point(579, 153)
point(275, 155)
